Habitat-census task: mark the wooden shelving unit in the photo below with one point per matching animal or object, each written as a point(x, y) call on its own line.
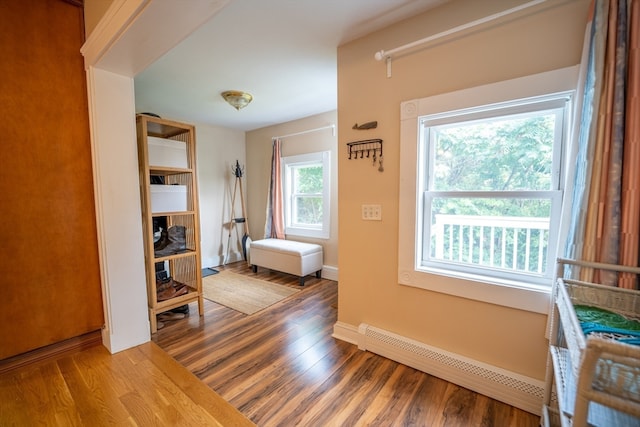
point(184, 265)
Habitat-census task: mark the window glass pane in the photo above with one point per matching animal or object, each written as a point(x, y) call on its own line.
point(308, 210)
point(502, 233)
point(306, 194)
point(507, 153)
point(308, 179)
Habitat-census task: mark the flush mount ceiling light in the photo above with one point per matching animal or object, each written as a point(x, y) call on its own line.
point(236, 98)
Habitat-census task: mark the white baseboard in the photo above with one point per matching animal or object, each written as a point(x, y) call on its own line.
point(329, 272)
point(346, 332)
point(509, 387)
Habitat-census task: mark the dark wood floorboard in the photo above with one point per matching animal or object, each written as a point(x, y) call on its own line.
point(281, 367)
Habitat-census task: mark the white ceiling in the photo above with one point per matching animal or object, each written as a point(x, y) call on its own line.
point(283, 52)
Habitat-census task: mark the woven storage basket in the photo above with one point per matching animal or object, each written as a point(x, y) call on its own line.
point(616, 365)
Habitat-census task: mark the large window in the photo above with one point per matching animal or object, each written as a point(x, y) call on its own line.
point(480, 191)
point(306, 194)
point(491, 188)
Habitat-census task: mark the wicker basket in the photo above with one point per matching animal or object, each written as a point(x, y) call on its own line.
point(608, 370)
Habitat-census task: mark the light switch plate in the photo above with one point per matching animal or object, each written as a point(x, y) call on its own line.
point(372, 212)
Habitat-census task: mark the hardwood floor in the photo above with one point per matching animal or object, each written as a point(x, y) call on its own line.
point(140, 386)
point(281, 367)
point(278, 367)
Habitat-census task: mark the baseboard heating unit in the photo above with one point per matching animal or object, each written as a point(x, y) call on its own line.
point(508, 387)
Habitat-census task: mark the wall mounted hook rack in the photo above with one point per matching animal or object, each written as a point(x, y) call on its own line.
point(371, 148)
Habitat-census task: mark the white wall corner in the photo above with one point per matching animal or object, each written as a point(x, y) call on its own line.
point(117, 202)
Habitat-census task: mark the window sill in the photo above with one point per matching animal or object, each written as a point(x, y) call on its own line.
point(507, 293)
point(302, 232)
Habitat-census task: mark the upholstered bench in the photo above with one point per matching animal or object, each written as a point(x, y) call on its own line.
point(287, 256)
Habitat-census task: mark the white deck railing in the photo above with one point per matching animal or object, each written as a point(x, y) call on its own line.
point(513, 243)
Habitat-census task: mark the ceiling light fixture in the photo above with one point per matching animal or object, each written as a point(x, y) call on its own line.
point(236, 98)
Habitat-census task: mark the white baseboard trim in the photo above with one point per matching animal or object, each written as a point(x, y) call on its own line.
point(329, 272)
point(509, 387)
point(346, 332)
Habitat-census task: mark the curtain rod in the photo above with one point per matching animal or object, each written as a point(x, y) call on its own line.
point(332, 127)
point(387, 54)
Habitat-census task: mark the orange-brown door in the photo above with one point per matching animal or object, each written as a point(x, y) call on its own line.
point(49, 269)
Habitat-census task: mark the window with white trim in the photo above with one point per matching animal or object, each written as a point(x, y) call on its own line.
point(491, 188)
point(480, 192)
point(306, 195)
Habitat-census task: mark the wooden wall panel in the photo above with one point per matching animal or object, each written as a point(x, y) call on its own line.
point(49, 269)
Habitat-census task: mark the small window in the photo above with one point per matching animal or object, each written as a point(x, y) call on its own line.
point(306, 194)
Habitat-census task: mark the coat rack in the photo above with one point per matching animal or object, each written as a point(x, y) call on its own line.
point(369, 148)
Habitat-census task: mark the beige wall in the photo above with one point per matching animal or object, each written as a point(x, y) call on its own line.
point(369, 291)
point(258, 143)
point(217, 150)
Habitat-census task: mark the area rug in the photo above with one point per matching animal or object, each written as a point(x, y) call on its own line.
point(209, 271)
point(243, 293)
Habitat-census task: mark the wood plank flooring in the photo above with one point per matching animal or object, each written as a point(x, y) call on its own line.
point(281, 367)
point(141, 386)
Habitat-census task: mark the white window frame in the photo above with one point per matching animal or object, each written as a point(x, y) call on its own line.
point(323, 159)
point(468, 284)
point(559, 104)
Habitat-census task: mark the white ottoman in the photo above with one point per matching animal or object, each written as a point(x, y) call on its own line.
point(287, 256)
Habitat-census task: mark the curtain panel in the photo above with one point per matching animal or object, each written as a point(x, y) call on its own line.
point(605, 207)
point(274, 224)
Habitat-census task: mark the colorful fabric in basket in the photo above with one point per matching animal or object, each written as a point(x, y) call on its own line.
point(596, 320)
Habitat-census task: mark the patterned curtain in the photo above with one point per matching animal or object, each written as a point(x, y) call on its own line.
point(274, 224)
point(605, 214)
